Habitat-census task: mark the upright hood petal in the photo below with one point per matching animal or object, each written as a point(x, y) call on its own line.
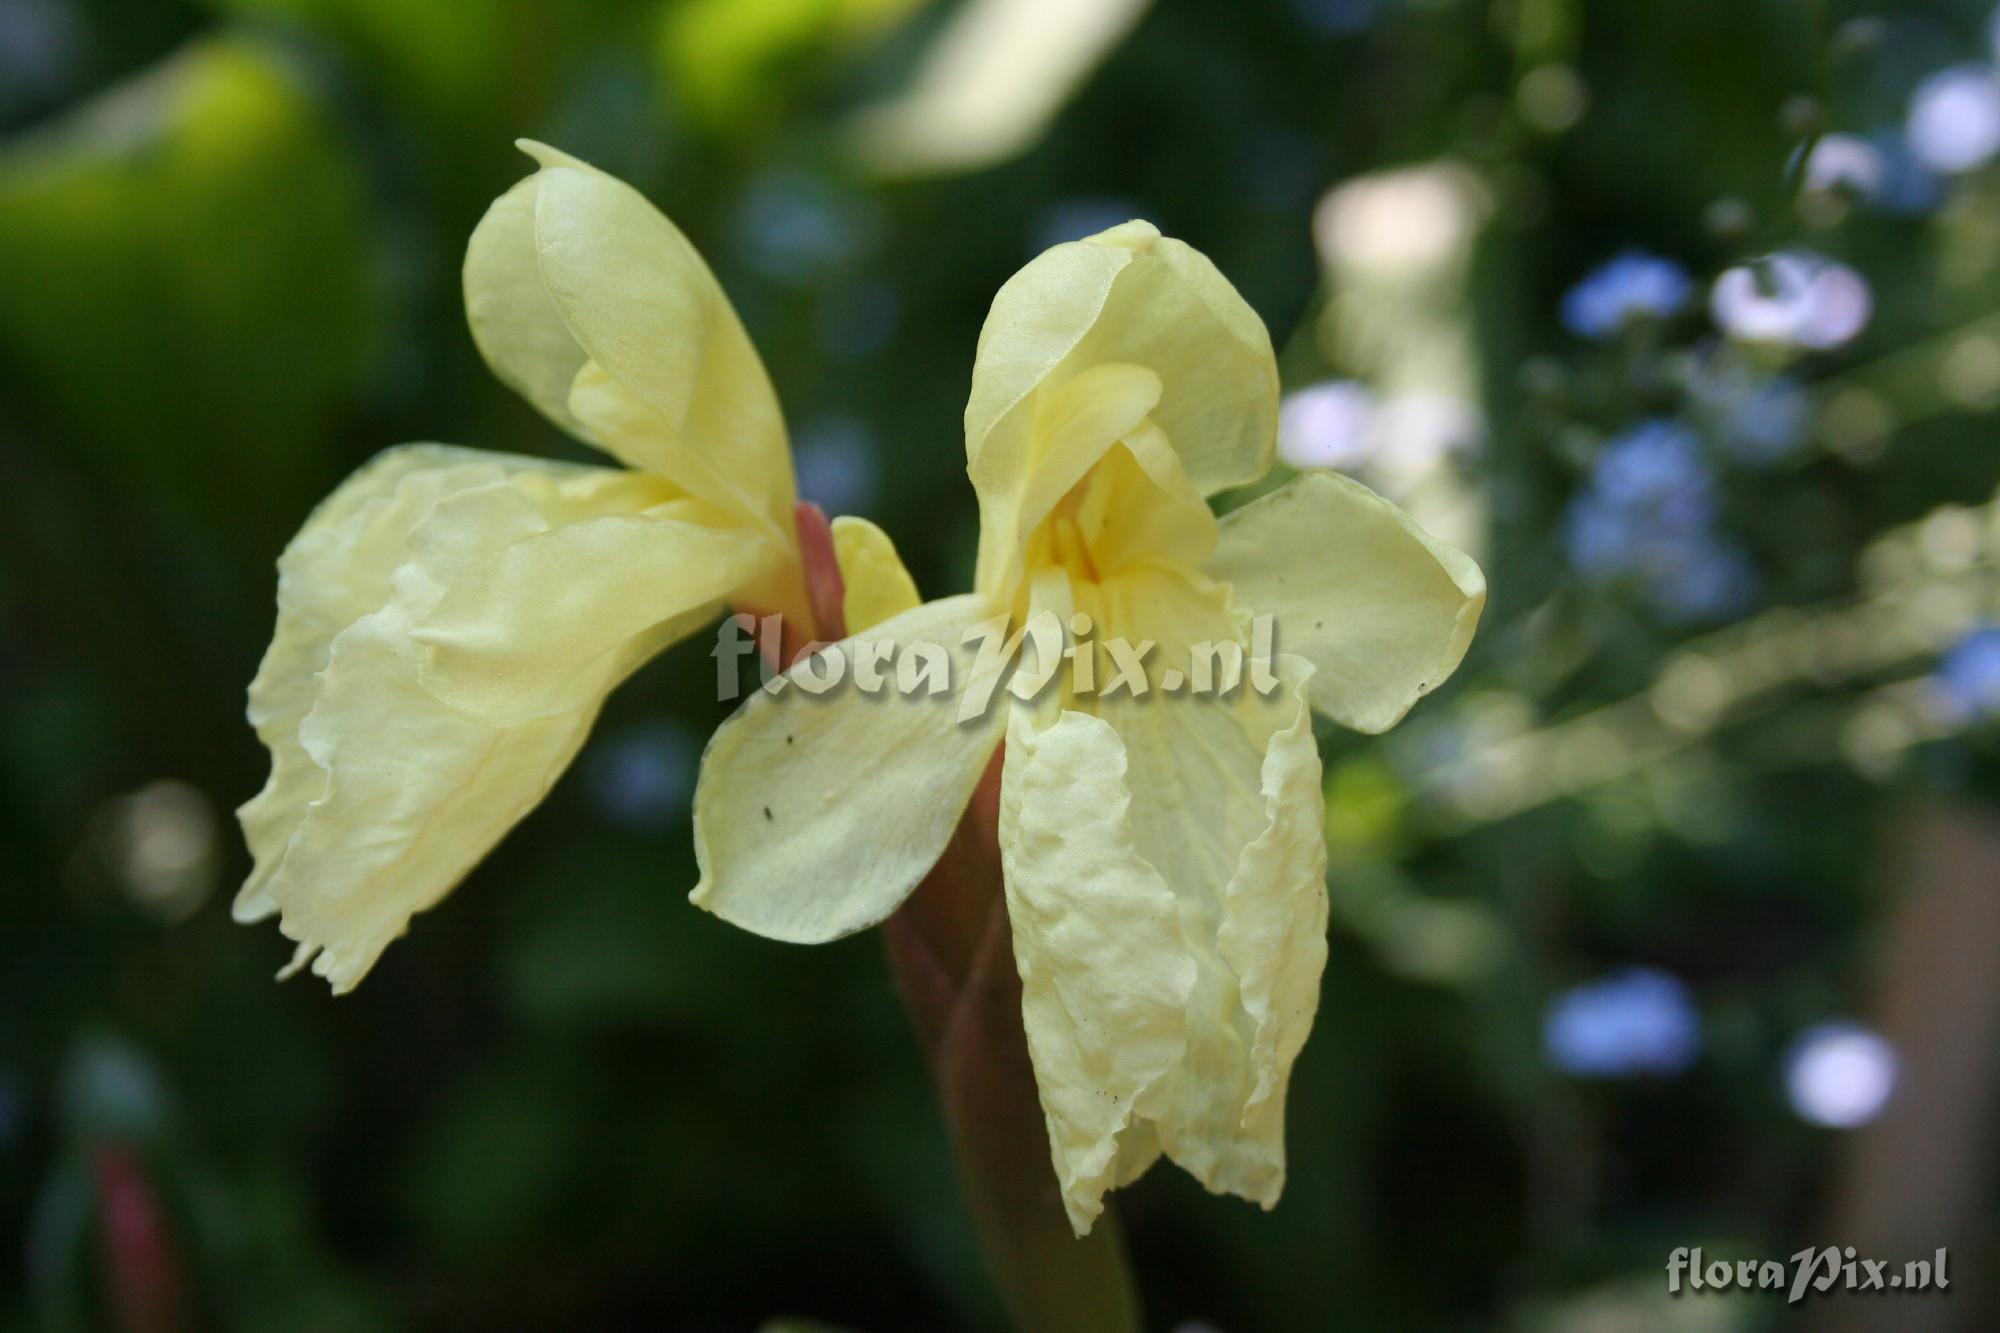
point(592, 305)
point(1127, 296)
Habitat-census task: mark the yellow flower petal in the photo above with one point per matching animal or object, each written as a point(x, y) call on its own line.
point(1126, 296)
point(1105, 978)
point(1072, 429)
point(657, 327)
point(1166, 880)
point(587, 301)
point(1273, 931)
point(381, 797)
point(1139, 508)
point(816, 814)
point(1199, 768)
point(1383, 609)
point(514, 321)
point(547, 623)
point(353, 531)
point(878, 586)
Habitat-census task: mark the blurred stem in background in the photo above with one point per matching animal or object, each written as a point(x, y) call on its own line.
point(953, 955)
point(1917, 1179)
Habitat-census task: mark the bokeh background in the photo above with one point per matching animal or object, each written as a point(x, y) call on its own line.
point(1671, 921)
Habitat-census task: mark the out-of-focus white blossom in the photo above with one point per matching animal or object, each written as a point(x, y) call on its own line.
point(1792, 298)
point(1954, 120)
point(1844, 161)
point(1840, 1075)
point(1330, 424)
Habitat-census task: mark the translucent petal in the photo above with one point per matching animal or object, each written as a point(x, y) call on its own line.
point(1166, 879)
point(1105, 979)
point(657, 327)
point(1194, 778)
point(1382, 609)
point(513, 319)
point(1225, 804)
point(586, 300)
point(1273, 931)
point(816, 814)
point(1126, 296)
point(381, 797)
point(1139, 508)
point(545, 624)
point(334, 572)
point(1074, 427)
point(878, 586)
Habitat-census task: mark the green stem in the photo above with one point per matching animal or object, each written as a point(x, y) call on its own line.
point(953, 955)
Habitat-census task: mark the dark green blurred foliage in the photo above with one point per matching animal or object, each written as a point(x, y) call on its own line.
point(229, 247)
point(190, 287)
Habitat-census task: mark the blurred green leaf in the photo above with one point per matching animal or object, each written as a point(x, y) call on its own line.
point(730, 60)
point(190, 292)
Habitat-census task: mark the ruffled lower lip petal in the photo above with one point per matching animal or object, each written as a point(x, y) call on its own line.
point(1165, 872)
point(382, 795)
point(1105, 972)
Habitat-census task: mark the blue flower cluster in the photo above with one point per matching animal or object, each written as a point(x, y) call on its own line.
point(1969, 675)
point(1758, 419)
point(1636, 1021)
point(1878, 168)
point(1633, 285)
point(1647, 516)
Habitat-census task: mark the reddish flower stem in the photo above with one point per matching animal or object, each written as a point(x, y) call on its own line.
point(952, 952)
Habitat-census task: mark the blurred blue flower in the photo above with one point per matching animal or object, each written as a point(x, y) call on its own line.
point(835, 458)
point(1954, 120)
point(1632, 285)
point(1657, 463)
point(641, 778)
point(796, 227)
point(1968, 676)
point(1840, 1075)
point(1877, 167)
point(1647, 517)
point(1907, 186)
point(41, 50)
point(1703, 579)
point(1757, 418)
point(1633, 1022)
point(1598, 539)
point(1768, 423)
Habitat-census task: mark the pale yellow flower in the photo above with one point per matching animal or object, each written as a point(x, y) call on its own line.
point(450, 620)
point(1164, 855)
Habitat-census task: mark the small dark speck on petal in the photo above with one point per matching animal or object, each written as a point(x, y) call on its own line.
point(788, 740)
point(767, 812)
